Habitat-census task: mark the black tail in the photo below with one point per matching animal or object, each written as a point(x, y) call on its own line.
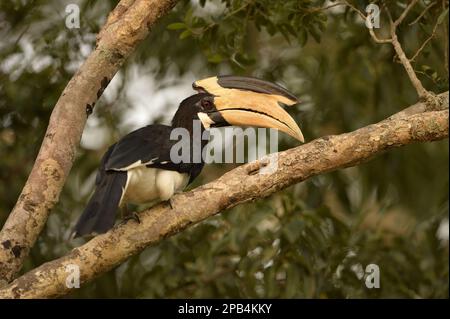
point(99, 214)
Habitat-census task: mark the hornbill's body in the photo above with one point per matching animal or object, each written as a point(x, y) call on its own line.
point(138, 168)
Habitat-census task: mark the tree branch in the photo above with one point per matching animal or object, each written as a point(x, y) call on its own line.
point(423, 93)
point(419, 50)
point(423, 13)
point(126, 26)
point(364, 17)
point(420, 89)
point(240, 185)
point(421, 107)
point(404, 13)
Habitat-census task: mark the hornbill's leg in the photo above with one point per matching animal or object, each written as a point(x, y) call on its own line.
point(126, 215)
point(170, 202)
point(124, 211)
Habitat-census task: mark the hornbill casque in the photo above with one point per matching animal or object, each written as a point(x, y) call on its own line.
point(138, 168)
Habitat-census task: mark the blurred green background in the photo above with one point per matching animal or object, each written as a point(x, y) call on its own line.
point(312, 240)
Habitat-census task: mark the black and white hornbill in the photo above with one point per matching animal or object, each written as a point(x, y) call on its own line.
point(138, 168)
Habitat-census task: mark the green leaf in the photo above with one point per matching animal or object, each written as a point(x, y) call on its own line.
point(271, 28)
point(285, 34)
point(290, 29)
point(176, 26)
point(315, 33)
point(186, 33)
point(188, 15)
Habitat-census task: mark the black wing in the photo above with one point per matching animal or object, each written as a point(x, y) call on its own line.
point(148, 146)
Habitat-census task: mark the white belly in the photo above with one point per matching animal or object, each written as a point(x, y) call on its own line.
point(147, 184)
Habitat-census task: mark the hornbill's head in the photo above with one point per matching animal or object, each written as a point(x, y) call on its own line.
point(245, 101)
point(241, 101)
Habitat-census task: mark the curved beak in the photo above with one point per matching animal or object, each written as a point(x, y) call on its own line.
point(246, 101)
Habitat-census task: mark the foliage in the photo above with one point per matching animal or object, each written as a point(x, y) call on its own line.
point(310, 240)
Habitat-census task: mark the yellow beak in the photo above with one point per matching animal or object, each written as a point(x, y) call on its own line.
point(245, 101)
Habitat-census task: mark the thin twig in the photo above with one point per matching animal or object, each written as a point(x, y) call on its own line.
point(405, 13)
point(376, 39)
point(423, 13)
point(426, 75)
point(391, 20)
point(312, 10)
point(228, 15)
point(433, 33)
point(421, 91)
point(364, 17)
point(351, 6)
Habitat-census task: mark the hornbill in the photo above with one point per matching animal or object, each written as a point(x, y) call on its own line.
point(138, 168)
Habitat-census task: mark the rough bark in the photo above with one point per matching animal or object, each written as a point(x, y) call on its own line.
point(424, 107)
point(240, 185)
point(126, 26)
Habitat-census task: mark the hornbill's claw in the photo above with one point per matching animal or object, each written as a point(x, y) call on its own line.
point(169, 201)
point(134, 216)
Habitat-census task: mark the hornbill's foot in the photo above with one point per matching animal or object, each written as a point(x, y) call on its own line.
point(134, 216)
point(170, 203)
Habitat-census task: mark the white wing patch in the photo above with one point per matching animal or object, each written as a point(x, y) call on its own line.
point(135, 164)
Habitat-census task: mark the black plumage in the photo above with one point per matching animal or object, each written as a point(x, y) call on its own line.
point(148, 146)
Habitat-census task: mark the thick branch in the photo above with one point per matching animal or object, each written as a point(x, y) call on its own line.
point(421, 107)
point(240, 185)
point(126, 26)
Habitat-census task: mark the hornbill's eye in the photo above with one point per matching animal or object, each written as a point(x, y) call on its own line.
point(207, 105)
